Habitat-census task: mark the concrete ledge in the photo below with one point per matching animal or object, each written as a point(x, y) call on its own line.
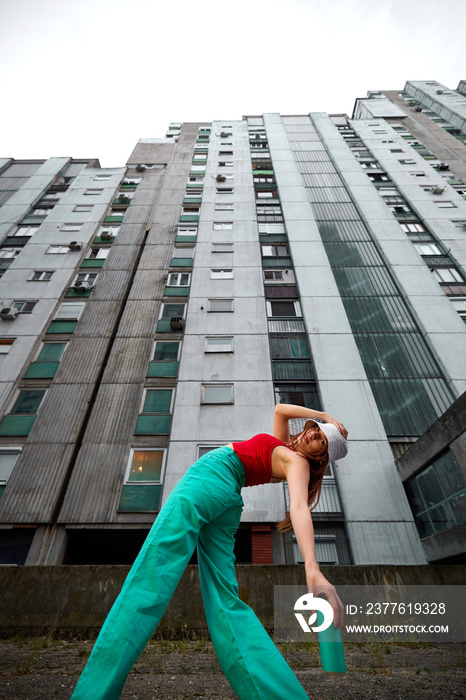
point(74, 600)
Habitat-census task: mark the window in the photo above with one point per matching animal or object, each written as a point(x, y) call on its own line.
point(218, 274)
point(223, 225)
point(145, 466)
point(220, 305)
point(407, 161)
point(70, 310)
point(446, 274)
point(83, 207)
point(89, 277)
point(179, 279)
point(283, 309)
point(8, 457)
point(294, 348)
point(217, 393)
point(222, 247)
point(224, 206)
point(25, 231)
point(71, 227)
point(27, 402)
point(225, 163)
point(286, 276)
point(445, 205)
point(369, 164)
point(220, 344)
point(224, 190)
point(97, 253)
point(459, 304)
point(57, 249)
point(5, 345)
point(108, 232)
point(427, 248)
point(166, 351)
point(42, 275)
point(275, 250)
point(297, 394)
point(102, 177)
point(173, 311)
point(413, 227)
point(24, 307)
point(157, 401)
point(131, 180)
point(271, 228)
point(417, 174)
point(93, 191)
point(10, 252)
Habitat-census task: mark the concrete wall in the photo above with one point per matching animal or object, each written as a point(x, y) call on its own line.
point(74, 600)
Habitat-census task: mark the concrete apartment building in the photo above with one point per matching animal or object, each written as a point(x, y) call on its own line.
point(152, 312)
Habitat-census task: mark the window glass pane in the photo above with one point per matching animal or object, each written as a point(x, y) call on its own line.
point(166, 351)
point(173, 310)
point(283, 308)
point(298, 394)
point(450, 474)
point(51, 352)
point(157, 401)
point(70, 310)
point(218, 394)
point(146, 466)
point(7, 462)
point(219, 344)
point(28, 401)
point(219, 305)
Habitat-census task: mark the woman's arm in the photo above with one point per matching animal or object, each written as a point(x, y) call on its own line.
point(297, 475)
point(285, 411)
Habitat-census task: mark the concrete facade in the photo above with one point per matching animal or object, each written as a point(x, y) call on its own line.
point(313, 259)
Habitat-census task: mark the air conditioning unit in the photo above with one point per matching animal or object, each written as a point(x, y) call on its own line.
point(220, 178)
point(107, 236)
point(176, 323)
point(75, 245)
point(439, 92)
point(418, 108)
point(8, 313)
point(81, 286)
point(123, 199)
point(437, 189)
point(140, 167)
point(443, 166)
point(224, 134)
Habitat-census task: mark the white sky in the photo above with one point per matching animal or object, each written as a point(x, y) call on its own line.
point(88, 78)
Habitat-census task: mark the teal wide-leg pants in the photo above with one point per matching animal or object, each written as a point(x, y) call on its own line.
point(204, 509)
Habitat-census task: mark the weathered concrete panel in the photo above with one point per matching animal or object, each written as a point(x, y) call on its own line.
point(95, 486)
point(76, 599)
point(36, 483)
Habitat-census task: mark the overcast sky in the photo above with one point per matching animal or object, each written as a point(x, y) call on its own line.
point(88, 78)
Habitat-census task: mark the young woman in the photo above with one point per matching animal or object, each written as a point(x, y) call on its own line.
point(204, 510)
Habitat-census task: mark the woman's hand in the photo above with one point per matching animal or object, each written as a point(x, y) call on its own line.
point(318, 584)
point(340, 427)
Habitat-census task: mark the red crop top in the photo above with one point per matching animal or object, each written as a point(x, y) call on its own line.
point(256, 457)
